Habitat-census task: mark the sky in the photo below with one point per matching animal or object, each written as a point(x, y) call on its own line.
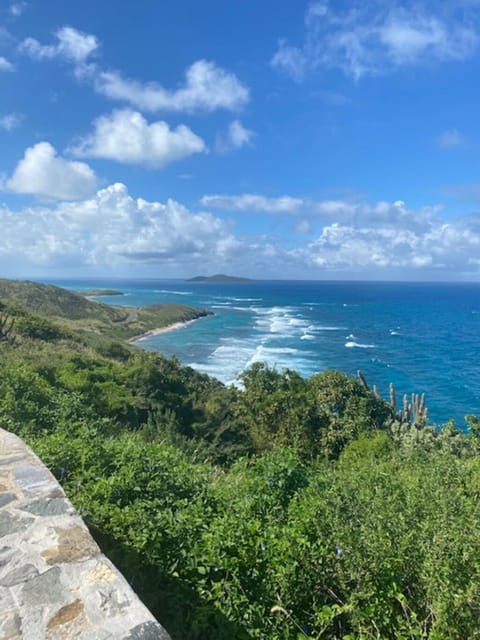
point(273, 139)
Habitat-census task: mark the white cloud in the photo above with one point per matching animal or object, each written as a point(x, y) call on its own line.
point(387, 237)
point(302, 226)
point(5, 65)
point(251, 202)
point(42, 173)
point(126, 136)
point(71, 44)
point(113, 229)
point(10, 121)
point(450, 138)
point(207, 87)
point(236, 137)
point(374, 239)
point(377, 37)
point(358, 214)
point(17, 8)
point(291, 60)
point(387, 215)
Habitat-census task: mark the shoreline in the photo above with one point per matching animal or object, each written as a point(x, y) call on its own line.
point(160, 330)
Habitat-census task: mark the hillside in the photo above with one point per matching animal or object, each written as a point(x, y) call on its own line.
point(74, 311)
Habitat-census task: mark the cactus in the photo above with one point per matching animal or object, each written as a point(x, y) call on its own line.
point(413, 412)
point(419, 410)
point(393, 396)
point(362, 380)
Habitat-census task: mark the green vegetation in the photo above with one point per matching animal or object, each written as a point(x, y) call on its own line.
point(290, 509)
point(89, 293)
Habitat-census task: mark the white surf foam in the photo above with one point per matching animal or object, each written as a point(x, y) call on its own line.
point(320, 327)
point(358, 345)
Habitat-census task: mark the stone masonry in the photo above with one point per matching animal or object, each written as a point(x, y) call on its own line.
point(55, 584)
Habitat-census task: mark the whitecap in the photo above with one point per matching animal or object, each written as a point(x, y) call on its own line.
point(358, 345)
point(319, 327)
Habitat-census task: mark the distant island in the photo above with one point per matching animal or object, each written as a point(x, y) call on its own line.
point(220, 277)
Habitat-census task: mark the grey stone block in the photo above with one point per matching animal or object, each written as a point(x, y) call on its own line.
point(45, 588)
point(6, 498)
point(22, 574)
point(48, 507)
point(12, 523)
point(33, 480)
point(147, 631)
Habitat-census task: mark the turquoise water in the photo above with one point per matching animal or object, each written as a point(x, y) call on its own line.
point(421, 336)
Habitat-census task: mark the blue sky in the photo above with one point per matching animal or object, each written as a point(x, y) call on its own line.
point(272, 139)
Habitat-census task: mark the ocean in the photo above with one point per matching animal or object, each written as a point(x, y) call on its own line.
point(423, 337)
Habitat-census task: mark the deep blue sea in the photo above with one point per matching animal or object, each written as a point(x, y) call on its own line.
point(424, 337)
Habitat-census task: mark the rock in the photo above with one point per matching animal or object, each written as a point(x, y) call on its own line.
point(74, 543)
point(22, 574)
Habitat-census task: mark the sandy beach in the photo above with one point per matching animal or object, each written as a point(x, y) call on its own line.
point(154, 332)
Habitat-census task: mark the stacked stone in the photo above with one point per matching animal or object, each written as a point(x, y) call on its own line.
point(55, 584)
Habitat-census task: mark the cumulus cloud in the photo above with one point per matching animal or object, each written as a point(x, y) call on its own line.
point(388, 236)
point(207, 87)
point(448, 247)
point(253, 203)
point(450, 138)
point(374, 239)
point(126, 136)
point(5, 65)
point(112, 228)
point(10, 121)
point(375, 37)
point(387, 215)
point(71, 44)
point(43, 173)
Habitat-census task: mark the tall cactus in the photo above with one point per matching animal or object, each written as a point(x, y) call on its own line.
point(413, 411)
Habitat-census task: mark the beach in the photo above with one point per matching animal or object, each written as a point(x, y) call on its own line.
point(160, 330)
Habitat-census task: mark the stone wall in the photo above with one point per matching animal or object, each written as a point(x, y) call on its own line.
point(55, 584)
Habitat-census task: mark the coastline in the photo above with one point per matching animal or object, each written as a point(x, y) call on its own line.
point(158, 331)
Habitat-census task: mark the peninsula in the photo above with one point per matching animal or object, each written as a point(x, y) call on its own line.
point(58, 310)
point(90, 293)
